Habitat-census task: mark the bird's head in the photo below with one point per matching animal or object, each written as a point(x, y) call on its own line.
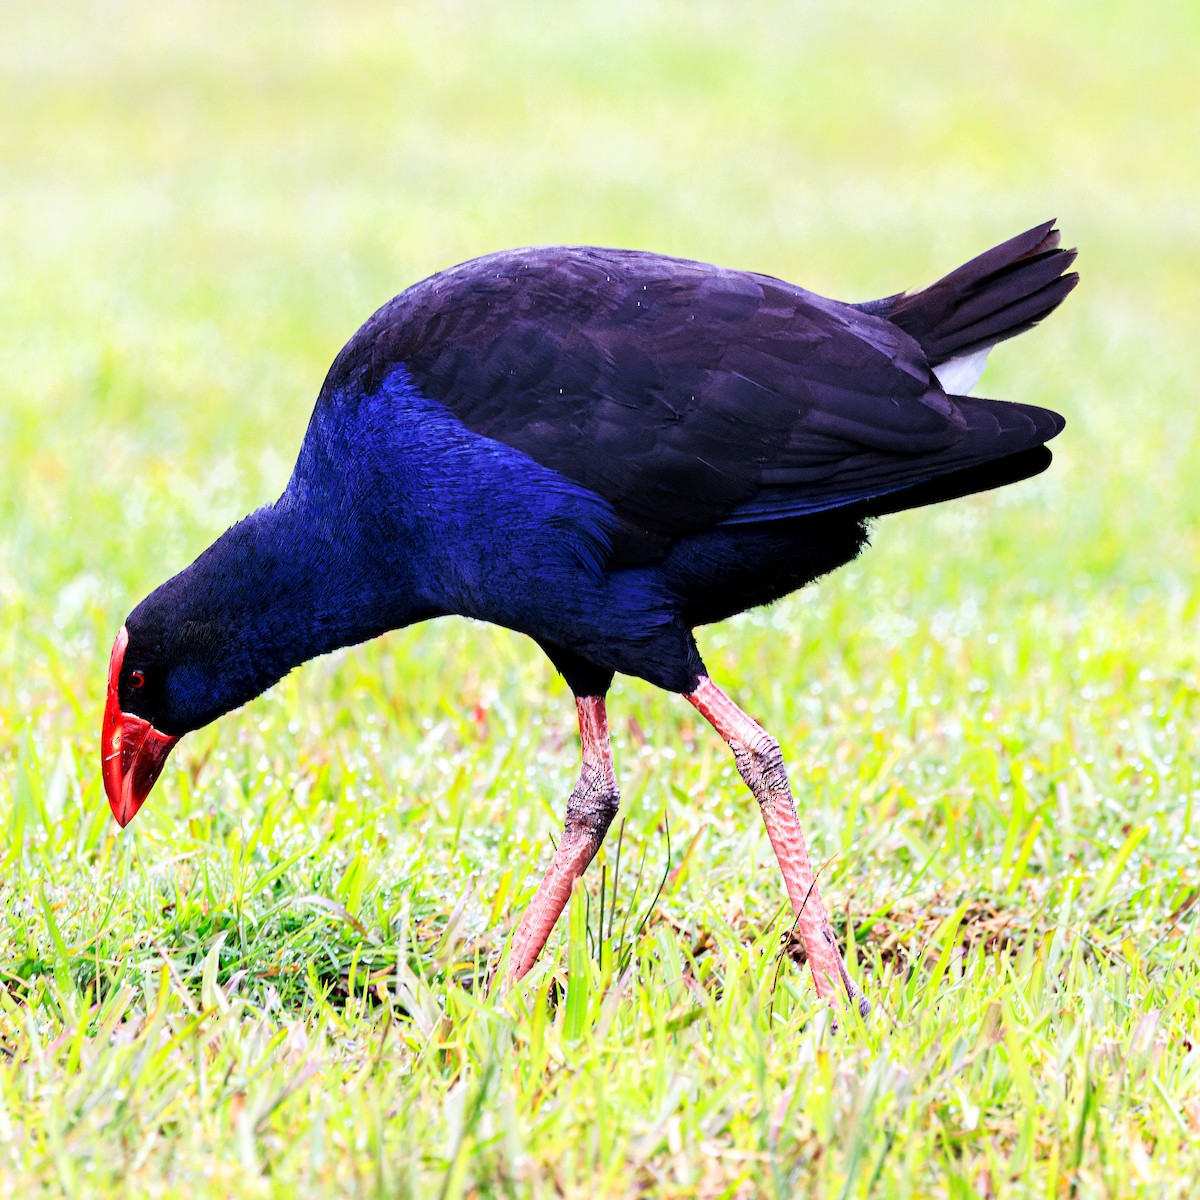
point(165, 678)
point(201, 644)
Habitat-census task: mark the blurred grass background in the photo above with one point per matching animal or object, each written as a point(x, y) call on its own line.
point(990, 716)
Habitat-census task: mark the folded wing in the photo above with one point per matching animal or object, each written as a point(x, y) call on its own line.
point(685, 395)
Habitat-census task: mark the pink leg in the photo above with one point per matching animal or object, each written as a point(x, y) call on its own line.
point(760, 764)
point(590, 811)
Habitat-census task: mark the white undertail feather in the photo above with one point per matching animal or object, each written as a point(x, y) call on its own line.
point(959, 375)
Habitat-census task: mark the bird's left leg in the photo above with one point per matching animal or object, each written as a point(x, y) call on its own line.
point(760, 763)
point(590, 811)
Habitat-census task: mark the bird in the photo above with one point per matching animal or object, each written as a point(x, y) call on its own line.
point(603, 450)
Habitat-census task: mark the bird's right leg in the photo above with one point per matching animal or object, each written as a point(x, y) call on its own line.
point(590, 811)
point(760, 763)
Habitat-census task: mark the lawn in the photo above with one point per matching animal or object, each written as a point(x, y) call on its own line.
point(270, 984)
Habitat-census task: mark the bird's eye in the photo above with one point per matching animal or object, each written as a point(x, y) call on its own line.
point(136, 679)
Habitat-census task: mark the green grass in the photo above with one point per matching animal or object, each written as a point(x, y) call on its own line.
point(268, 985)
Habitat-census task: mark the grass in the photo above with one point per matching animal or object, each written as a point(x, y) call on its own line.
point(268, 985)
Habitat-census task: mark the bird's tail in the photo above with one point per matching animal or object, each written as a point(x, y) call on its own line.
point(1003, 292)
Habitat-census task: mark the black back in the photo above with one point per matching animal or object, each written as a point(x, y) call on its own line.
point(684, 394)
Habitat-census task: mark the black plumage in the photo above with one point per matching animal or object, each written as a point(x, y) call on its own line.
point(688, 395)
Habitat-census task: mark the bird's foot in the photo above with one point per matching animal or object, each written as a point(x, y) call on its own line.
point(853, 993)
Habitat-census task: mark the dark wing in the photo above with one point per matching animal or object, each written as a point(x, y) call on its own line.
point(684, 394)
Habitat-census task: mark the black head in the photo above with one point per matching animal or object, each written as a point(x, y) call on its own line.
point(183, 669)
point(210, 639)
point(169, 673)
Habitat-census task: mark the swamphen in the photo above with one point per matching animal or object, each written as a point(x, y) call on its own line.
point(601, 449)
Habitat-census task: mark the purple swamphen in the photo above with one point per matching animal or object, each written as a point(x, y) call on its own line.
point(601, 449)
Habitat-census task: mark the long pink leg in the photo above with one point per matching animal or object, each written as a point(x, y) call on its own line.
point(760, 763)
point(590, 810)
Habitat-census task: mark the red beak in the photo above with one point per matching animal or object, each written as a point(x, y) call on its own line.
point(132, 751)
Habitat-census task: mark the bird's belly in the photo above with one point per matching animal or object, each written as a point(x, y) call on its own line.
point(727, 570)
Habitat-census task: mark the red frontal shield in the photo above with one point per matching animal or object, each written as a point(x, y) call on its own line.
point(132, 751)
